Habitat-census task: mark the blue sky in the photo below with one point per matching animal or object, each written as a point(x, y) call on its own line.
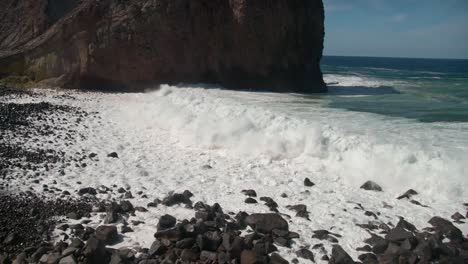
point(397, 28)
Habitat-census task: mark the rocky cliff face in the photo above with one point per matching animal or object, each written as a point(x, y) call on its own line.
point(246, 44)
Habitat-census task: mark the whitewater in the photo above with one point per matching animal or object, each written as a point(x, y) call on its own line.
point(216, 142)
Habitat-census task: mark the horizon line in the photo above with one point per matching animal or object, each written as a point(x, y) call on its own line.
point(392, 57)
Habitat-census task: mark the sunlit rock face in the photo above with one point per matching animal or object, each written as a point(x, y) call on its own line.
point(109, 44)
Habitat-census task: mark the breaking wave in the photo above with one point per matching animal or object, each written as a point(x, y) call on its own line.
point(323, 142)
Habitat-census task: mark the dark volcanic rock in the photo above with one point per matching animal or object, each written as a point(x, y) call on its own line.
point(305, 254)
point(262, 44)
point(408, 194)
point(447, 228)
point(308, 182)
point(339, 256)
point(107, 234)
point(166, 221)
point(371, 186)
point(265, 223)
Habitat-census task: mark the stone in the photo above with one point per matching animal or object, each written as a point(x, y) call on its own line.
point(457, 216)
point(107, 234)
point(113, 155)
point(51, 258)
point(188, 255)
point(368, 258)
point(157, 248)
point(12, 238)
point(406, 225)
point(277, 259)
point(250, 200)
point(339, 256)
point(177, 198)
point(398, 234)
point(371, 186)
point(305, 254)
point(408, 194)
point(166, 221)
point(68, 260)
point(233, 43)
point(446, 228)
point(250, 193)
point(208, 256)
point(126, 229)
point(172, 234)
point(87, 190)
point(308, 182)
point(141, 209)
point(126, 206)
point(265, 223)
point(250, 257)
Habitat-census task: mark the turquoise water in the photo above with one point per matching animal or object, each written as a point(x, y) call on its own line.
point(426, 90)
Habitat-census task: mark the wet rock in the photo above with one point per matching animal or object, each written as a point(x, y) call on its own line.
point(166, 221)
point(107, 234)
point(126, 229)
point(366, 248)
point(339, 256)
point(208, 256)
point(12, 238)
point(250, 257)
point(325, 235)
point(250, 193)
point(188, 255)
point(457, 216)
point(398, 234)
point(305, 254)
point(308, 182)
point(301, 210)
point(277, 259)
point(265, 223)
point(371, 186)
point(141, 209)
point(270, 203)
point(171, 234)
point(177, 198)
point(95, 251)
point(126, 206)
point(406, 225)
point(51, 258)
point(446, 228)
point(368, 258)
point(128, 195)
point(408, 194)
point(250, 200)
point(87, 190)
point(113, 155)
point(68, 260)
point(157, 248)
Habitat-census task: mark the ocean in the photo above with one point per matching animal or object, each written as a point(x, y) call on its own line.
point(427, 90)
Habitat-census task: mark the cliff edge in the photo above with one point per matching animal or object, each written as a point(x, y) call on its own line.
point(111, 44)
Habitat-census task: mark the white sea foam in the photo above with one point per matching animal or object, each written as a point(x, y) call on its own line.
point(355, 81)
point(334, 144)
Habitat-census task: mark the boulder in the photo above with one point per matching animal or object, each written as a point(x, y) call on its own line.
point(371, 186)
point(107, 234)
point(265, 223)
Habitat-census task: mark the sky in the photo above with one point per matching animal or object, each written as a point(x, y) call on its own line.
point(397, 28)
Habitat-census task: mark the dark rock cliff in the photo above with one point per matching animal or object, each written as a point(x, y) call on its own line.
point(243, 44)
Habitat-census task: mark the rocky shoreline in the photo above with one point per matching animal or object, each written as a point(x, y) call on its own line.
point(47, 224)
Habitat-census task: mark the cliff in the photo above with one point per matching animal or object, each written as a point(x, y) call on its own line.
point(101, 44)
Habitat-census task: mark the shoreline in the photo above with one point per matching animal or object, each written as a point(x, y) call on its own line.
point(73, 127)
